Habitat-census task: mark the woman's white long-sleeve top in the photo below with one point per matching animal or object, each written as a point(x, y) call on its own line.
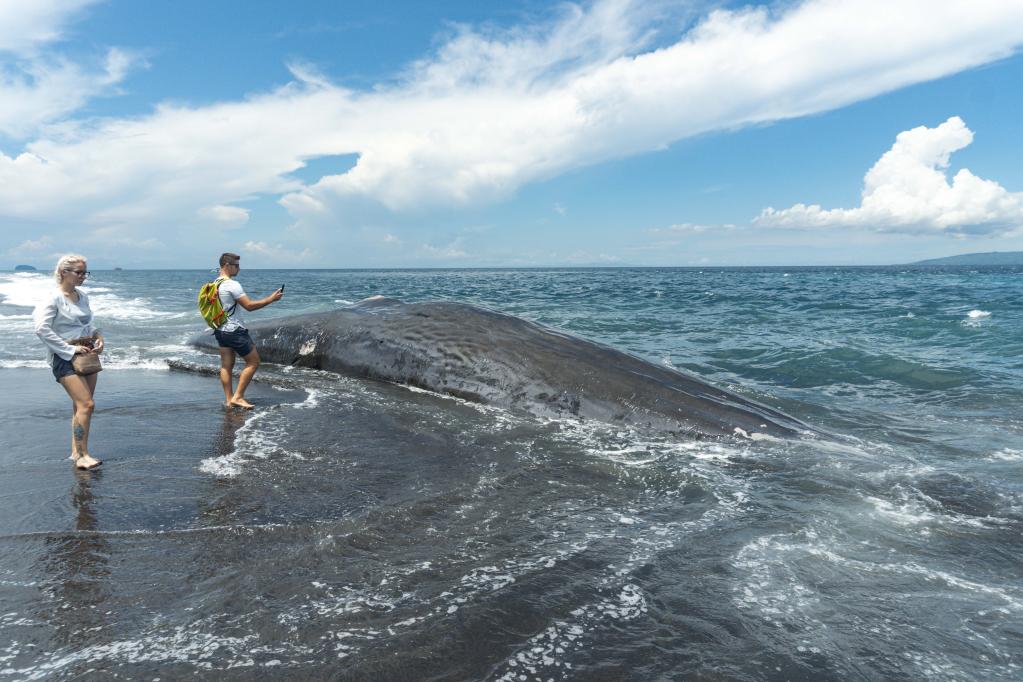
point(58, 320)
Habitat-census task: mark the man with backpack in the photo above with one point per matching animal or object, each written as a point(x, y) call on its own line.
point(218, 303)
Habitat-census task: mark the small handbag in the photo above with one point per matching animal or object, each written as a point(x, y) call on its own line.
point(85, 364)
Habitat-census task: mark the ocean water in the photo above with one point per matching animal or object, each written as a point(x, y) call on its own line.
point(353, 529)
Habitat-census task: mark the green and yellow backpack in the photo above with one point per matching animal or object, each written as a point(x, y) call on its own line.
point(209, 304)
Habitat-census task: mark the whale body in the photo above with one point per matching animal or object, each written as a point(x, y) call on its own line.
point(489, 357)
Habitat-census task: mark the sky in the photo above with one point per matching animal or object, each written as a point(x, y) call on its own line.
point(328, 134)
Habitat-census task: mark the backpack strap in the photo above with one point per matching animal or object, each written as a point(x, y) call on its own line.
point(218, 281)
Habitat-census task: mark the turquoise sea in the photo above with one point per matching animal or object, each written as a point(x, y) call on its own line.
point(353, 529)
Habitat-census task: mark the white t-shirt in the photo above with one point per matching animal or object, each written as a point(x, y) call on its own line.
point(230, 291)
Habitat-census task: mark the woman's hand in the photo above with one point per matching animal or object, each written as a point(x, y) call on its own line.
point(97, 344)
point(82, 350)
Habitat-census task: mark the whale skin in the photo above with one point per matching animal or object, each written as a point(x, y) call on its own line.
point(498, 359)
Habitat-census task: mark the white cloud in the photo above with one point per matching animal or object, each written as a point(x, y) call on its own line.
point(44, 90)
point(908, 190)
point(116, 239)
point(275, 253)
point(489, 112)
point(38, 88)
point(258, 247)
point(667, 239)
point(227, 216)
point(26, 25)
point(35, 250)
point(691, 228)
point(454, 250)
point(33, 246)
point(583, 258)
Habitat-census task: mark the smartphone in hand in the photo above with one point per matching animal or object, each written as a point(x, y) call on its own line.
point(282, 288)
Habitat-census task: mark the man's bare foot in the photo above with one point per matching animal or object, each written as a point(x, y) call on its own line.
point(87, 461)
point(241, 402)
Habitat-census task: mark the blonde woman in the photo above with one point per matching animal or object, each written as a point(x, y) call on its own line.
point(65, 315)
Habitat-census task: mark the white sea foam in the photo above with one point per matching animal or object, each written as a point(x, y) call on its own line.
point(259, 438)
point(173, 349)
point(775, 587)
point(1006, 455)
point(29, 289)
point(545, 653)
point(189, 643)
point(772, 588)
point(113, 307)
point(619, 599)
point(25, 289)
point(312, 399)
point(15, 364)
point(907, 512)
point(132, 358)
point(157, 364)
point(1006, 596)
point(975, 318)
point(629, 448)
point(114, 361)
point(250, 441)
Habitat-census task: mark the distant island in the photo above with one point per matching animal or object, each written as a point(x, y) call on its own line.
point(24, 268)
point(989, 258)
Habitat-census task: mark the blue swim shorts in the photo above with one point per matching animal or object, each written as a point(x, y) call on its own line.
point(61, 368)
point(238, 340)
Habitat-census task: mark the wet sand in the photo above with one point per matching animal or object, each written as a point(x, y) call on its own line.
point(151, 429)
point(90, 557)
point(354, 530)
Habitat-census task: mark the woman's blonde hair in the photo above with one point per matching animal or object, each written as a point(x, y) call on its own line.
point(65, 263)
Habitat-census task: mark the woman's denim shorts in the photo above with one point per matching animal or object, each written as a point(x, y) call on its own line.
point(61, 368)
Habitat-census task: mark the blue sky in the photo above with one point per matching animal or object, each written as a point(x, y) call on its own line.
point(467, 134)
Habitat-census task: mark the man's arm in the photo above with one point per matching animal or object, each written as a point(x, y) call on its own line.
point(249, 304)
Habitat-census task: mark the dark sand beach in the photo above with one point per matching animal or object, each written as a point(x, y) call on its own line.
point(93, 559)
point(380, 536)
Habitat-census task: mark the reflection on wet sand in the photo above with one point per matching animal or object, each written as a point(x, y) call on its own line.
point(233, 420)
point(77, 563)
point(220, 506)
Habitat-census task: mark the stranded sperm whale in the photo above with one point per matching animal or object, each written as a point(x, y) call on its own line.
point(498, 359)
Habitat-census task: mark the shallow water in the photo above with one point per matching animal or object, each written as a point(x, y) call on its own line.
point(350, 529)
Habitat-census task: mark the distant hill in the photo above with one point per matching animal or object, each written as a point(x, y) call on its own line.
point(990, 258)
point(24, 268)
